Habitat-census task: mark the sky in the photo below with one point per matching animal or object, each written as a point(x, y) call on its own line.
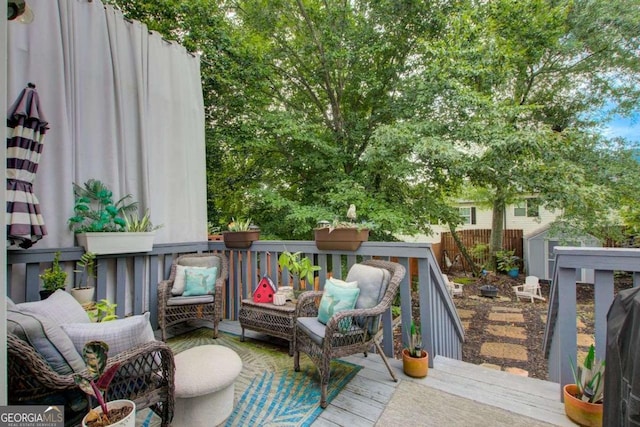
point(628, 128)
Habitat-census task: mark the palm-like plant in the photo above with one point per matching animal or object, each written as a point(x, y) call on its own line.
point(95, 210)
point(590, 378)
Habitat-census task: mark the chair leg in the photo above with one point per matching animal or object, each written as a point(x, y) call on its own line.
point(296, 360)
point(384, 359)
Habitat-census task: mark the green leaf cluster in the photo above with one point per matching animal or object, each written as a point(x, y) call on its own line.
point(55, 277)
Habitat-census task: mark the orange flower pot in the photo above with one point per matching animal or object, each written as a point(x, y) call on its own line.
point(584, 413)
point(416, 367)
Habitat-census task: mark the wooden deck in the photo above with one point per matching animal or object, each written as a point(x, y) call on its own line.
point(363, 401)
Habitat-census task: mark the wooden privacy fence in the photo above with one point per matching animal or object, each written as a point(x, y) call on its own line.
point(512, 240)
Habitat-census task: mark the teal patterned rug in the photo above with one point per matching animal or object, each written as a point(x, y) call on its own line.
point(268, 391)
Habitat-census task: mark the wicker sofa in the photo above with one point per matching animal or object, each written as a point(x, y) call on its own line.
point(41, 361)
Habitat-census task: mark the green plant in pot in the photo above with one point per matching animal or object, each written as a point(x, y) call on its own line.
point(298, 267)
point(95, 210)
point(53, 278)
point(103, 311)
point(95, 383)
point(342, 235)
point(85, 286)
point(415, 360)
point(241, 233)
point(583, 400)
point(105, 226)
point(508, 262)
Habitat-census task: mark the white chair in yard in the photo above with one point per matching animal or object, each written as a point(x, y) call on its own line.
point(530, 289)
point(455, 289)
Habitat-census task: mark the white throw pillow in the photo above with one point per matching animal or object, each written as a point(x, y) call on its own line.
point(120, 335)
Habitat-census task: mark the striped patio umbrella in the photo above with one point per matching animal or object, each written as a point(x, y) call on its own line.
point(26, 127)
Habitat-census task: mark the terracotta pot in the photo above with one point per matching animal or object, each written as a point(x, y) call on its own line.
point(584, 413)
point(240, 239)
point(416, 367)
point(340, 239)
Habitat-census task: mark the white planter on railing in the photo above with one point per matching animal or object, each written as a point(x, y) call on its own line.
point(103, 243)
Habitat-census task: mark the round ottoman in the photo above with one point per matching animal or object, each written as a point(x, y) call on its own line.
point(204, 385)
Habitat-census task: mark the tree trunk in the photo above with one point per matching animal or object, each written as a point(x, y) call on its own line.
point(497, 230)
point(463, 250)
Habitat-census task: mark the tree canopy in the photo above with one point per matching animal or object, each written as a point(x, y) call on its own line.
point(398, 107)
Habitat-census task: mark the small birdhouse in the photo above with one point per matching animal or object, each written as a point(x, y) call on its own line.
point(265, 290)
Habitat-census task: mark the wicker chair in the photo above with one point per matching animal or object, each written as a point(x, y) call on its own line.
point(173, 309)
point(347, 332)
point(145, 375)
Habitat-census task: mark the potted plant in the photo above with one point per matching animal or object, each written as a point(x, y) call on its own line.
point(213, 232)
point(342, 235)
point(96, 384)
point(241, 234)
point(508, 262)
point(301, 268)
point(85, 287)
point(103, 226)
point(102, 311)
point(583, 400)
point(53, 278)
point(415, 360)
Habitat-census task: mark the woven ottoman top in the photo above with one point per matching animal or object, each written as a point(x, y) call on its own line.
point(205, 369)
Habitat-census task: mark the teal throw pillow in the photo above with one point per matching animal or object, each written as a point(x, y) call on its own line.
point(338, 296)
point(200, 281)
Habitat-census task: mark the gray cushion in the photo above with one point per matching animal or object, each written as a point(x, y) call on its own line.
point(315, 330)
point(47, 338)
point(199, 299)
point(60, 307)
point(120, 334)
point(372, 282)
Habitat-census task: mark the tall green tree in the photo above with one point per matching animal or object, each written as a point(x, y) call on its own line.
point(520, 83)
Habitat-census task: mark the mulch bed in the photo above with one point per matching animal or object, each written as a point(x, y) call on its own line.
point(534, 320)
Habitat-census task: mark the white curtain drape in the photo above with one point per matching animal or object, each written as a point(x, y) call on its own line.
point(123, 105)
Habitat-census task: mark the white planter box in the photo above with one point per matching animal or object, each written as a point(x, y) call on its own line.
point(116, 242)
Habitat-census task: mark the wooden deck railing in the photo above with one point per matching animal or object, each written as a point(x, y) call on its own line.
point(130, 280)
point(560, 337)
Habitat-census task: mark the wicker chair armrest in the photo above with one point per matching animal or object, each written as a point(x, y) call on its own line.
point(164, 290)
point(306, 305)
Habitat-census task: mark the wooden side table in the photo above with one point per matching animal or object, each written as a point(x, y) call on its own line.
point(275, 320)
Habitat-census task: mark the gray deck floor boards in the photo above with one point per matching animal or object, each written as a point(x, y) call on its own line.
point(364, 399)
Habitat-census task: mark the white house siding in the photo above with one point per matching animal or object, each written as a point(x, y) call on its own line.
point(483, 221)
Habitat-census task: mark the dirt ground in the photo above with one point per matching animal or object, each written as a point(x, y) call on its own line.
point(534, 319)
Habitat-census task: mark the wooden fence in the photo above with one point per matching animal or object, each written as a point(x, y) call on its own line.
point(451, 259)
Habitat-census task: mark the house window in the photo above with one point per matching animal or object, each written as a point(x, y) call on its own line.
point(468, 215)
point(528, 207)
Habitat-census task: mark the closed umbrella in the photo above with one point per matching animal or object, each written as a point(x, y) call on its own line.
point(26, 127)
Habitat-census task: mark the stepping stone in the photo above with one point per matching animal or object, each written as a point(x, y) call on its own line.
point(585, 340)
point(466, 324)
point(507, 309)
point(504, 351)
point(580, 324)
point(507, 331)
point(466, 314)
point(517, 371)
point(506, 317)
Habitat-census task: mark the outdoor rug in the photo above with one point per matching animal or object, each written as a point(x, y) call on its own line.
point(268, 391)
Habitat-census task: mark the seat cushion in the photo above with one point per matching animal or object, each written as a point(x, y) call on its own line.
point(60, 308)
point(316, 331)
point(120, 334)
point(47, 338)
point(199, 299)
